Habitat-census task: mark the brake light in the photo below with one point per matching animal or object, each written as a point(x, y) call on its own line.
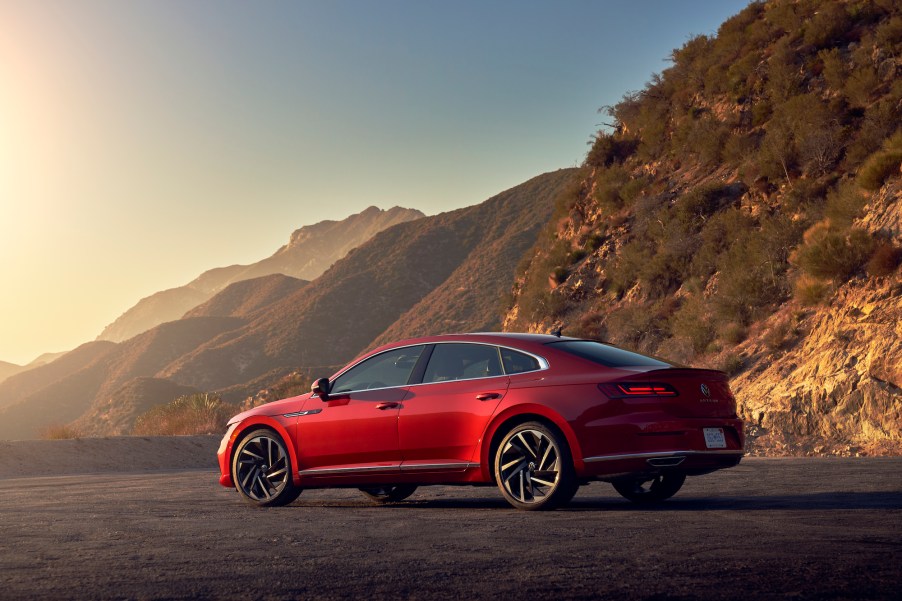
point(623, 390)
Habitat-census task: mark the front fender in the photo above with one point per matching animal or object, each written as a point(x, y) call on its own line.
point(505, 416)
point(256, 421)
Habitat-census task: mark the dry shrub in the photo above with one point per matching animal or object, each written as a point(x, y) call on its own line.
point(778, 335)
point(829, 253)
point(731, 364)
point(885, 260)
point(810, 290)
point(200, 413)
point(733, 333)
point(60, 432)
point(883, 164)
point(877, 169)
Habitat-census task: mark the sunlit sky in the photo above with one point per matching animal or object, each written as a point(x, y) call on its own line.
point(143, 142)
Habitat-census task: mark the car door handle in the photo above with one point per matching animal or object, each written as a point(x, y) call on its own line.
point(487, 396)
point(388, 405)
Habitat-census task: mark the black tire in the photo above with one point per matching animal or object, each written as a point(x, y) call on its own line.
point(534, 469)
point(390, 493)
point(261, 470)
point(651, 490)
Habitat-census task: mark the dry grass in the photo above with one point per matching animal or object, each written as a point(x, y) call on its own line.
point(187, 415)
point(60, 432)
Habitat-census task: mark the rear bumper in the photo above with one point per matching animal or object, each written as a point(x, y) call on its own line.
point(689, 461)
point(626, 447)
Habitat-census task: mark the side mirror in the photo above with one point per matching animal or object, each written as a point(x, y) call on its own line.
point(320, 388)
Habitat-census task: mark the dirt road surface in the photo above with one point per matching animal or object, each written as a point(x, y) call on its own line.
point(768, 529)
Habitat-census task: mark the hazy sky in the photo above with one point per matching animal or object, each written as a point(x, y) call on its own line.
point(144, 142)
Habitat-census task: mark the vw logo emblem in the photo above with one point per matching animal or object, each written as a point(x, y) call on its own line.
point(705, 390)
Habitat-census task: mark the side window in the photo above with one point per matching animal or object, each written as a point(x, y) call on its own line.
point(385, 370)
point(462, 362)
point(516, 362)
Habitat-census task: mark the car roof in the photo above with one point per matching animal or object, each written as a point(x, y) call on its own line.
point(500, 338)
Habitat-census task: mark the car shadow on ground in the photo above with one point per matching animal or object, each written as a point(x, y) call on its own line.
point(799, 502)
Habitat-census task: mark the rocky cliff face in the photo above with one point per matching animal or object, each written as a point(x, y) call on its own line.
point(830, 383)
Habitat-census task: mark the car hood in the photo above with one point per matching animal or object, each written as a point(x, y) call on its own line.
point(275, 408)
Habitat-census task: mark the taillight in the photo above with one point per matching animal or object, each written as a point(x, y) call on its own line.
point(624, 390)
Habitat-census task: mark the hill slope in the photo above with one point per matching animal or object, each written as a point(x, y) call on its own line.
point(332, 320)
point(309, 252)
point(9, 369)
point(729, 221)
point(243, 298)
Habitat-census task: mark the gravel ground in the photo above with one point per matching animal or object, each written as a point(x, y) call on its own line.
point(768, 529)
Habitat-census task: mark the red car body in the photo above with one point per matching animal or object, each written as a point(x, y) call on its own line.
point(625, 423)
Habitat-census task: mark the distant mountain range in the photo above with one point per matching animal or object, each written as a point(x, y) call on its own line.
point(309, 252)
point(254, 330)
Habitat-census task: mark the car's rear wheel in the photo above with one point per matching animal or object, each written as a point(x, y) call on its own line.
point(533, 468)
point(651, 490)
point(261, 470)
point(390, 493)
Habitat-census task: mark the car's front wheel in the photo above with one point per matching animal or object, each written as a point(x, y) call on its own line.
point(651, 490)
point(533, 468)
point(389, 493)
point(261, 470)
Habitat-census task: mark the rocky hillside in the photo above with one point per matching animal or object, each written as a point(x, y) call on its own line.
point(743, 213)
point(255, 333)
point(309, 252)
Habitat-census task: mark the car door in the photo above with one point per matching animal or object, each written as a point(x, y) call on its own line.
point(444, 416)
point(356, 428)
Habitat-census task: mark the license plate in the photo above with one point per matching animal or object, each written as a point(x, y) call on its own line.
point(714, 438)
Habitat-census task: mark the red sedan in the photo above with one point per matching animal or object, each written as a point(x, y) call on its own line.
point(537, 415)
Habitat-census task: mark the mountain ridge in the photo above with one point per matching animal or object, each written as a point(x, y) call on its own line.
point(310, 251)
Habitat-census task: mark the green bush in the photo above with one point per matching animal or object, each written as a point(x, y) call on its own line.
point(828, 25)
point(693, 322)
point(844, 204)
point(200, 413)
point(835, 254)
point(810, 291)
point(879, 168)
point(860, 85)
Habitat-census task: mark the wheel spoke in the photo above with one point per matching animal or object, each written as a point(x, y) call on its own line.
point(271, 474)
point(526, 445)
point(247, 451)
point(544, 458)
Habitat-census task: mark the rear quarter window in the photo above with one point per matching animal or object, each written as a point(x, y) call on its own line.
point(603, 354)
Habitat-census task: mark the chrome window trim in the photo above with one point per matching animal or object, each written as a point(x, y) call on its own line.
point(661, 454)
point(543, 365)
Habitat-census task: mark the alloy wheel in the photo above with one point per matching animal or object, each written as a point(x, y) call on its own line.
point(262, 467)
point(529, 466)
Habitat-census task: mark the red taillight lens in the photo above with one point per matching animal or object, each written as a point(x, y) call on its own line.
point(623, 390)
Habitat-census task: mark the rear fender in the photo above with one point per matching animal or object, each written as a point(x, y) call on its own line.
point(500, 421)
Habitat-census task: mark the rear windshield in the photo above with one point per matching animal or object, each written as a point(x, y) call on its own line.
point(609, 356)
